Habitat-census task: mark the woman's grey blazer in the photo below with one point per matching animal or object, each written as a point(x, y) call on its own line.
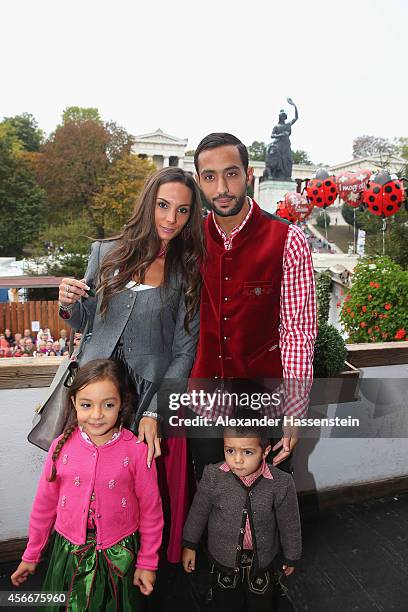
point(160, 349)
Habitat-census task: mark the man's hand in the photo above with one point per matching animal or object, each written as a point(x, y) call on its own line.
point(145, 580)
point(287, 443)
point(188, 560)
point(22, 572)
point(148, 431)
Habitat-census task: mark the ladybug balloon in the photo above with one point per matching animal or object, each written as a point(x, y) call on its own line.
point(384, 195)
point(297, 205)
point(351, 186)
point(283, 212)
point(321, 190)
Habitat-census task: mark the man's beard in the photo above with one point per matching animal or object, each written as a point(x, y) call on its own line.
point(240, 201)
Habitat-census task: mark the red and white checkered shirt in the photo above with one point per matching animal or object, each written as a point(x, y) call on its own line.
point(248, 480)
point(298, 325)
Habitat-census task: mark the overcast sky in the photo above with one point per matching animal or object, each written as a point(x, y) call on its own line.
point(198, 66)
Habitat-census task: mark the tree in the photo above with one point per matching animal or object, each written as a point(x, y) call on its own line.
point(112, 206)
point(190, 153)
point(75, 159)
point(257, 151)
point(301, 157)
point(21, 199)
point(347, 212)
point(396, 236)
point(26, 130)
point(78, 114)
point(367, 146)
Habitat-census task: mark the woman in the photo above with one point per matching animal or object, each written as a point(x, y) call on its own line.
point(144, 312)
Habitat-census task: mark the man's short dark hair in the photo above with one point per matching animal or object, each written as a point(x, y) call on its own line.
point(220, 139)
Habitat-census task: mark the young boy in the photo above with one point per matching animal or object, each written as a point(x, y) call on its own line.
point(252, 512)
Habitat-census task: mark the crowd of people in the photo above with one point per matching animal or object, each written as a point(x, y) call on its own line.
point(29, 344)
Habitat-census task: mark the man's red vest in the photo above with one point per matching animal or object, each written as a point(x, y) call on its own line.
point(240, 301)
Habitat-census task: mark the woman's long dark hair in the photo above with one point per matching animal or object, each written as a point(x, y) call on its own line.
point(137, 246)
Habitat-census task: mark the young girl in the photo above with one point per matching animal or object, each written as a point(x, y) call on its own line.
point(98, 491)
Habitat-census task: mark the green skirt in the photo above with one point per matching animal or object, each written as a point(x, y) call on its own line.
point(95, 580)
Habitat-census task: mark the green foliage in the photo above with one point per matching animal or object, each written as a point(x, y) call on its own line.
point(320, 219)
point(396, 236)
point(70, 251)
point(257, 151)
point(301, 157)
point(118, 191)
point(330, 351)
point(347, 212)
point(26, 130)
point(75, 160)
point(22, 201)
point(77, 114)
point(376, 308)
point(323, 289)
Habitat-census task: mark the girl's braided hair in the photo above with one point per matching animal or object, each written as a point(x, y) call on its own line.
point(98, 369)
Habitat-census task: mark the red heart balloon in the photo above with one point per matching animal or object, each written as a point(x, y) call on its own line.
point(351, 186)
point(298, 205)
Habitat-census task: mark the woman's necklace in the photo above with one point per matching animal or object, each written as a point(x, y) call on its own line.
point(162, 252)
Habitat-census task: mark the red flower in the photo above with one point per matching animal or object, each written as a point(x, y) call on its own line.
point(348, 310)
point(352, 315)
point(363, 324)
point(372, 284)
point(400, 334)
point(338, 304)
point(369, 297)
point(385, 316)
point(384, 335)
point(369, 330)
point(364, 308)
point(387, 306)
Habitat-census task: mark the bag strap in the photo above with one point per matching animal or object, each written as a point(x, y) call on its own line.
point(71, 342)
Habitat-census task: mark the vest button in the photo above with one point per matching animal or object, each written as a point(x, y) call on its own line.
point(238, 548)
point(226, 278)
point(219, 356)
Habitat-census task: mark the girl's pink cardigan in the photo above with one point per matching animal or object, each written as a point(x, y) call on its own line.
point(127, 497)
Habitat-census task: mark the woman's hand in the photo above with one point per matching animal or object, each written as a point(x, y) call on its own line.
point(22, 572)
point(188, 560)
point(71, 290)
point(148, 432)
point(145, 580)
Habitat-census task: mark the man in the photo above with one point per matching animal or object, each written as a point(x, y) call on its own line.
point(258, 308)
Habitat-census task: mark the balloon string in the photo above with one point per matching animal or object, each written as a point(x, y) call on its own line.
point(354, 224)
point(325, 224)
point(384, 227)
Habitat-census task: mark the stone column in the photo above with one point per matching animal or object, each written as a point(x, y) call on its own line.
point(166, 161)
point(256, 188)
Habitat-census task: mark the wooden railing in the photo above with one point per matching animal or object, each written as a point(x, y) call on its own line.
point(18, 317)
